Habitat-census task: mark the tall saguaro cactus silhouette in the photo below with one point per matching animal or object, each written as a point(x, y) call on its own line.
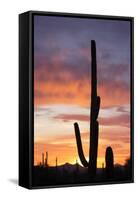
point(94, 111)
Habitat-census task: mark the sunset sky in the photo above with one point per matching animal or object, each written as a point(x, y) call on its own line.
point(62, 86)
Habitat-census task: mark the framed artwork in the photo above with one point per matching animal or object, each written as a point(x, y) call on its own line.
point(75, 99)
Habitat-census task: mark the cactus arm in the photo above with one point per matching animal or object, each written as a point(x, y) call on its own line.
point(79, 146)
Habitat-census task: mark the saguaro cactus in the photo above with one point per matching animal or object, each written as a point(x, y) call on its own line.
point(94, 111)
point(109, 158)
point(46, 160)
point(43, 159)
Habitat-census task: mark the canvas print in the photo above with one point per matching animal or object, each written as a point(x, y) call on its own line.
point(82, 108)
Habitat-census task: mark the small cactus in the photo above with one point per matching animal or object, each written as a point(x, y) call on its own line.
point(46, 160)
point(109, 158)
point(56, 162)
point(43, 159)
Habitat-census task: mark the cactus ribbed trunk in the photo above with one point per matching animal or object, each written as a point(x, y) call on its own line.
point(94, 110)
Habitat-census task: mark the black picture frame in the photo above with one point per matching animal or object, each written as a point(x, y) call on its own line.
point(26, 95)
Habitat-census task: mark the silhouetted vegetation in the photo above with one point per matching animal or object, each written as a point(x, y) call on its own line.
point(109, 162)
point(76, 174)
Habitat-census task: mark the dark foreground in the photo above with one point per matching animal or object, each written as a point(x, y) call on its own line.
point(76, 174)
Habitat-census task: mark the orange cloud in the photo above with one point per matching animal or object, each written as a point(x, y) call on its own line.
point(120, 120)
point(78, 92)
point(52, 92)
